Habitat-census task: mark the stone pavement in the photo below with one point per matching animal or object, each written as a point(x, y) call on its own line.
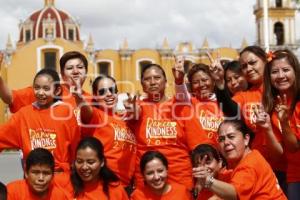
point(10, 166)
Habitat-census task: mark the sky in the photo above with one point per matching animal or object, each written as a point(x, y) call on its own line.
point(145, 23)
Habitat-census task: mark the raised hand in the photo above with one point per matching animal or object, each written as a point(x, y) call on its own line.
point(201, 172)
point(76, 89)
point(282, 108)
point(216, 70)
point(178, 70)
point(262, 118)
point(131, 106)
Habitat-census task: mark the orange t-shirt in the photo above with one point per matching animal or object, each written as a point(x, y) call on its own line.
point(248, 102)
point(293, 161)
point(158, 129)
point(177, 191)
point(20, 190)
point(21, 98)
point(204, 119)
point(54, 129)
point(118, 140)
point(253, 178)
point(25, 96)
point(279, 163)
point(91, 191)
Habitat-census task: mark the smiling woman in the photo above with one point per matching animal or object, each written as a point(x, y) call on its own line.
point(91, 178)
point(154, 167)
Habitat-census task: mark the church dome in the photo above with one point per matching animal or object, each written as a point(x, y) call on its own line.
point(49, 23)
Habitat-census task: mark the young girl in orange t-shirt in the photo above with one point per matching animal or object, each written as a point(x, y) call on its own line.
point(214, 162)
point(47, 123)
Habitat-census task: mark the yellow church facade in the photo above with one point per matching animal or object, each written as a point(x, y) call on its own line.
point(50, 32)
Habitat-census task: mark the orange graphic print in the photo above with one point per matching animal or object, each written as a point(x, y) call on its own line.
point(42, 138)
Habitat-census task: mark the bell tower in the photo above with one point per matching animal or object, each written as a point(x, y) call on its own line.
point(280, 22)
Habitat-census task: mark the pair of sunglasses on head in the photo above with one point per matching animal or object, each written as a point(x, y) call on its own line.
point(112, 90)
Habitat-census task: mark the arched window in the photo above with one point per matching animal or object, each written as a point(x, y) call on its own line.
point(279, 33)
point(278, 3)
point(104, 68)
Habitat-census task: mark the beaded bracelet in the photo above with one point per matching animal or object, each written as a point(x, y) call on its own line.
point(209, 182)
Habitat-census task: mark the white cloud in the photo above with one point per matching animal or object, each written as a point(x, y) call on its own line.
point(145, 23)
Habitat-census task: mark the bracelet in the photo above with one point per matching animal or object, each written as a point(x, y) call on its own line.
point(209, 182)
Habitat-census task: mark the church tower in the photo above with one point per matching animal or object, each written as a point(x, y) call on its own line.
point(281, 23)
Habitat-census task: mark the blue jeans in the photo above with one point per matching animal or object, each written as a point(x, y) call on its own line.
point(294, 191)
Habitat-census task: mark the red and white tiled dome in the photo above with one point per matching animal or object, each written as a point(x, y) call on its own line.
point(61, 23)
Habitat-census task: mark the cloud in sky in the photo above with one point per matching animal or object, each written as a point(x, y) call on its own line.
point(145, 23)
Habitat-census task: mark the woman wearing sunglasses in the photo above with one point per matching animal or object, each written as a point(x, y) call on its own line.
point(101, 120)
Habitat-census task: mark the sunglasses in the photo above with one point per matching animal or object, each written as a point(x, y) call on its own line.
point(103, 91)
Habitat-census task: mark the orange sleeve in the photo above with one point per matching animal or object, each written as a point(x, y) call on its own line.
point(13, 189)
point(63, 182)
point(138, 194)
point(243, 181)
point(10, 135)
point(21, 98)
point(96, 120)
point(295, 121)
point(75, 136)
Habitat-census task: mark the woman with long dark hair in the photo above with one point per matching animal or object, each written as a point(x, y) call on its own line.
point(281, 100)
point(90, 177)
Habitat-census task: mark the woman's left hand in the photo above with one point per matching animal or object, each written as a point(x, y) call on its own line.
point(178, 70)
point(262, 118)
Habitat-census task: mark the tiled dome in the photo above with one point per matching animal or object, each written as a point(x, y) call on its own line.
point(61, 23)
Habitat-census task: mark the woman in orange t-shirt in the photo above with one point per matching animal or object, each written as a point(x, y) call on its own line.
point(234, 78)
point(47, 123)
point(73, 65)
point(159, 128)
point(280, 98)
point(91, 179)
point(103, 121)
point(246, 104)
point(251, 178)
point(154, 167)
point(206, 114)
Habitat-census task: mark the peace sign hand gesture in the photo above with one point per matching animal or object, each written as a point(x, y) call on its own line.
point(282, 109)
point(131, 106)
point(76, 89)
point(178, 70)
point(262, 118)
point(216, 70)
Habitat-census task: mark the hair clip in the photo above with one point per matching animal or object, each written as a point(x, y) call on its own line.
point(270, 56)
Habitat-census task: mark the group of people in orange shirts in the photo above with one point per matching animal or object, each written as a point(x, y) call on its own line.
point(233, 133)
